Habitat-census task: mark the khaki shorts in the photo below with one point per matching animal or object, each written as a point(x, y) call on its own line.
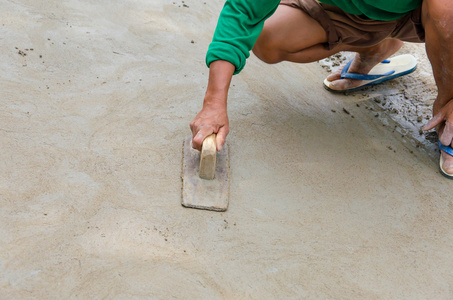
point(344, 28)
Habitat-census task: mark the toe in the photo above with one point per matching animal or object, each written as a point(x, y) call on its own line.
point(448, 163)
point(344, 84)
point(334, 76)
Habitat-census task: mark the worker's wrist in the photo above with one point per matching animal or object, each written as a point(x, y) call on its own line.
point(220, 73)
point(215, 101)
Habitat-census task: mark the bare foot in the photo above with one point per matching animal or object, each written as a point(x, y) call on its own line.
point(363, 62)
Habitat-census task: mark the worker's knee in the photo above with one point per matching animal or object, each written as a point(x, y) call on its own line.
point(437, 15)
point(267, 54)
point(267, 47)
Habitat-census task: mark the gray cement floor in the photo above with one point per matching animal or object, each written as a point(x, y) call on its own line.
point(323, 205)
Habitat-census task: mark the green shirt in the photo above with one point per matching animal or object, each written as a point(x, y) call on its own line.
point(241, 22)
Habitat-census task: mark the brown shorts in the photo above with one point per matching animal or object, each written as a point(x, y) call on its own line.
point(353, 30)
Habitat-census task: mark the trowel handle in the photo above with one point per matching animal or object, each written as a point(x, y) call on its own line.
point(208, 157)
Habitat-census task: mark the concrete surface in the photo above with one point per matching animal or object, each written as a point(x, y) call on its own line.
point(324, 204)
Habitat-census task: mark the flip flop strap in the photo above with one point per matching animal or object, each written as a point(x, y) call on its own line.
point(345, 74)
point(446, 149)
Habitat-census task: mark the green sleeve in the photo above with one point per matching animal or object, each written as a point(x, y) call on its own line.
point(239, 25)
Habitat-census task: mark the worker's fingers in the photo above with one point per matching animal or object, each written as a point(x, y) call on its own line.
point(443, 121)
point(221, 136)
point(200, 135)
point(436, 120)
point(447, 134)
point(209, 120)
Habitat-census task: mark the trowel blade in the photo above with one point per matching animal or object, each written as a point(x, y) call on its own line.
point(200, 193)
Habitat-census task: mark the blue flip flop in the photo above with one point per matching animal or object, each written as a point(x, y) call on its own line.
point(386, 70)
point(449, 151)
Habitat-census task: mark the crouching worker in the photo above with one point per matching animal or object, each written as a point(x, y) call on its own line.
point(304, 31)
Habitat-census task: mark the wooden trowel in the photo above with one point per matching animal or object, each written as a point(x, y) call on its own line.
point(205, 176)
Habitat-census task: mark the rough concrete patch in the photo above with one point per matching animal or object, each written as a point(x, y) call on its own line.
point(407, 100)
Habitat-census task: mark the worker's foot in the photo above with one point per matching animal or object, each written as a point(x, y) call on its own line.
point(363, 62)
point(447, 163)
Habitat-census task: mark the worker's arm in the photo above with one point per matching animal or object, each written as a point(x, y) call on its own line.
point(213, 116)
point(239, 25)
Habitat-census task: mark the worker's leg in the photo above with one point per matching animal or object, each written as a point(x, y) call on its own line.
point(292, 35)
point(437, 20)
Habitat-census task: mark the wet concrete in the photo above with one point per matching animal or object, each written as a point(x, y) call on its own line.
point(323, 203)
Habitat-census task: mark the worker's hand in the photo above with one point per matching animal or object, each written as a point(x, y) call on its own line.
point(212, 118)
point(443, 121)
